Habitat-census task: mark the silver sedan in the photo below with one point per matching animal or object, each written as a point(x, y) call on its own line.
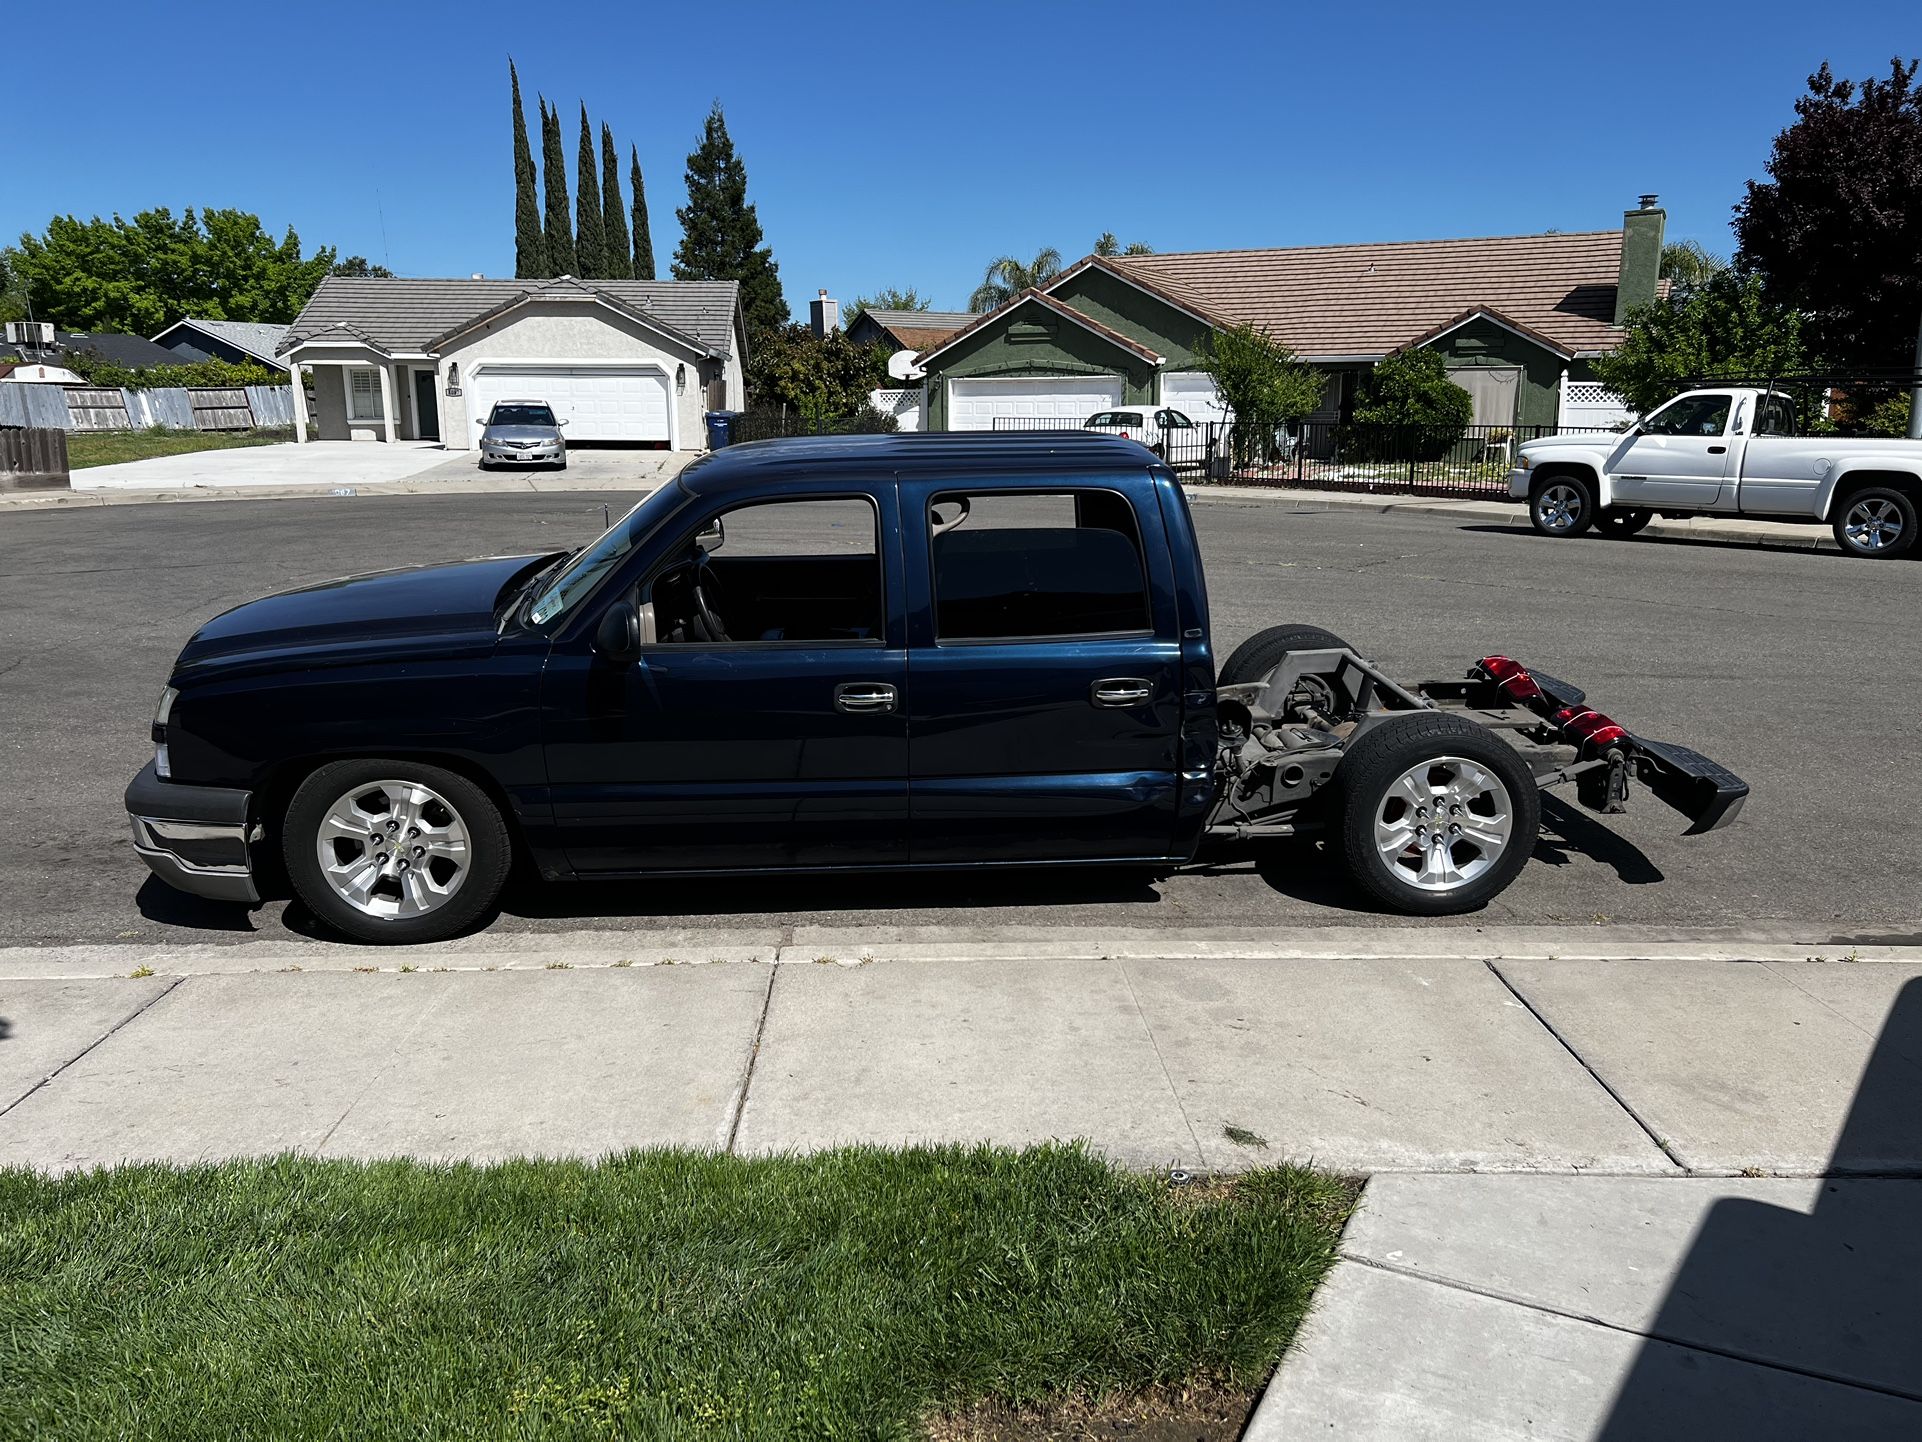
point(523, 433)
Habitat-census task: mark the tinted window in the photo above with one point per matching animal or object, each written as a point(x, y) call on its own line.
point(1100, 418)
point(1057, 564)
point(1176, 421)
point(1777, 417)
point(521, 415)
point(1690, 416)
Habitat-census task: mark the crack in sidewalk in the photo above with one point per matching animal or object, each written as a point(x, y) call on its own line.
point(1201, 1157)
point(127, 1020)
point(753, 1058)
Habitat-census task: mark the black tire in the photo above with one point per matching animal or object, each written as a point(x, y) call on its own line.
point(1876, 523)
point(489, 851)
point(1620, 524)
point(1258, 655)
point(1561, 506)
point(1363, 784)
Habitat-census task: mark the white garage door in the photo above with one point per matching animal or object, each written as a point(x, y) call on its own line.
point(599, 403)
point(1193, 394)
point(974, 405)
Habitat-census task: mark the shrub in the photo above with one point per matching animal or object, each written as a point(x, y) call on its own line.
point(1408, 405)
point(1261, 384)
point(97, 370)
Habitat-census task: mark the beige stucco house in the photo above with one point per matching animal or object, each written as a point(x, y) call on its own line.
point(619, 360)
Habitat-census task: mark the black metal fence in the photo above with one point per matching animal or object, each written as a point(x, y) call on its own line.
point(1331, 455)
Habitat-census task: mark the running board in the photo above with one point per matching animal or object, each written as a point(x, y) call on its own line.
point(1707, 793)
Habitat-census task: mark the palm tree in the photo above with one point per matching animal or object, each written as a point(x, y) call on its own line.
point(1688, 263)
point(1008, 277)
point(1108, 246)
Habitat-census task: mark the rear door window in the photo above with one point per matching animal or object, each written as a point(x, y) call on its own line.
point(1020, 566)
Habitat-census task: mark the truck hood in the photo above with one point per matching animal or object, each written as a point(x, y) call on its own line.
point(437, 610)
point(1590, 441)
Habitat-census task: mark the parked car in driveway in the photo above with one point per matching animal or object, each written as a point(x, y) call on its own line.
point(857, 653)
point(1726, 451)
point(1158, 428)
point(523, 433)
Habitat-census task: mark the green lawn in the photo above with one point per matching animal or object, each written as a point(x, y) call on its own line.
point(105, 448)
point(849, 1294)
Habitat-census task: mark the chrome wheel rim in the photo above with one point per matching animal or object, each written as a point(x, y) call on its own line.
point(1444, 823)
point(1874, 524)
point(393, 849)
point(1560, 507)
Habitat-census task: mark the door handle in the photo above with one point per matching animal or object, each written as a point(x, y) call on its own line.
point(1718, 450)
point(861, 697)
point(1121, 691)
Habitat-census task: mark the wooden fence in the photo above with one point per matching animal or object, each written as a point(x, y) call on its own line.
point(93, 408)
point(32, 459)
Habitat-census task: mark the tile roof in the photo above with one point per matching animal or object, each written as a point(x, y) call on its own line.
point(405, 315)
point(921, 329)
point(257, 338)
point(1366, 300)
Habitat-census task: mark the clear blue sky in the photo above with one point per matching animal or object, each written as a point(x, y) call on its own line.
point(910, 144)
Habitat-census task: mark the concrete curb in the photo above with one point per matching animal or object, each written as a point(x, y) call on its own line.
point(1493, 512)
point(501, 951)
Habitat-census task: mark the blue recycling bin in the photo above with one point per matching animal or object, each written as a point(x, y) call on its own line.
point(720, 428)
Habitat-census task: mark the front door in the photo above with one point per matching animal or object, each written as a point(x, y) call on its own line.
point(765, 722)
point(1046, 705)
point(1678, 456)
point(426, 406)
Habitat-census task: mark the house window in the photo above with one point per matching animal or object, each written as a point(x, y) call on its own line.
point(363, 394)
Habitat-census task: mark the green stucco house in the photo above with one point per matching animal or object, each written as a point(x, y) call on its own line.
point(1518, 319)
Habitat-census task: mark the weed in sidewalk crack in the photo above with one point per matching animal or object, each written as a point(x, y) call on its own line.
point(141, 970)
point(560, 966)
point(1242, 1137)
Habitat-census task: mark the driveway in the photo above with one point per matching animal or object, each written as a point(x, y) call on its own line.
point(318, 463)
point(588, 466)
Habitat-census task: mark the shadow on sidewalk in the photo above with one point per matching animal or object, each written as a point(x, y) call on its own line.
point(1816, 1299)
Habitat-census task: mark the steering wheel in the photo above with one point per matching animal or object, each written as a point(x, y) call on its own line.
point(708, 598)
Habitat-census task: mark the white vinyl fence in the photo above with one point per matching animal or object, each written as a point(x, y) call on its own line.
point(907, 406)
point(176, 408)
point(1590, 405)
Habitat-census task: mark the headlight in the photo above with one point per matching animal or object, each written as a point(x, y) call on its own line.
point(1527, 462)
point(162, 762)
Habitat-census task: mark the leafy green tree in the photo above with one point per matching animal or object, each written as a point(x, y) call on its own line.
point(643, 234)
point(1107, 245)
point(530, 245)
point(1007, 277)
point(142, 274)
point(618, 260)
point(1262, 385)
point(721, 234)
point(360, 267)
point(560, 230)
point(825, 380)
point(1407, 401)
point(96, 369)
point(886, 298)
point(1836, 230)
point(589, 251)
point(1726, 326)
point(1689, 263)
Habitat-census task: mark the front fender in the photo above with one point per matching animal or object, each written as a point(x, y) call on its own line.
point(1593, 465)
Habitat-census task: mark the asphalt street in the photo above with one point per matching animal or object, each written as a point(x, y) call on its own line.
point(1799, 670)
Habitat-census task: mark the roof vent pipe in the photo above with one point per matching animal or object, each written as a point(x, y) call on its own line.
point(1647, 201)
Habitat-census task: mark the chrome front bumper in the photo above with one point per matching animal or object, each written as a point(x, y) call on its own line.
point(193, 837)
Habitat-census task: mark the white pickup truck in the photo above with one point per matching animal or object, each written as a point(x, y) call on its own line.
point(1725, 452)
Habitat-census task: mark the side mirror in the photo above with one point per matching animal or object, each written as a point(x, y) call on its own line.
point(618, 637)
point(560, 423)
point(711, 536)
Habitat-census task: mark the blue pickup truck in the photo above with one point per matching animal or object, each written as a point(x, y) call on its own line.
point(842, 654)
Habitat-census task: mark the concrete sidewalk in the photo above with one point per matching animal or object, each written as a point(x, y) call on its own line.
point(455, 474)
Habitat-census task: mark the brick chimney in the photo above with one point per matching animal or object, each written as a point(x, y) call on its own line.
point(1641, 265)
point(823, 315)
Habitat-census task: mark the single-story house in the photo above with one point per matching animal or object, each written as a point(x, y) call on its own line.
point(238, 342)
point(915, 330)
point(619, 360)
point(1518, 320)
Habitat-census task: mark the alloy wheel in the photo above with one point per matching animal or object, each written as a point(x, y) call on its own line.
point(1874, 524)
point(1559, 507)
point(393, 849)
point(1443, 823)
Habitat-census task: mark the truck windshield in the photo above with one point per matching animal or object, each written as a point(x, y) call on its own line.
point(582, 574)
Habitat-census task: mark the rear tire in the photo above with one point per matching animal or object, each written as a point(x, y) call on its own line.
point(1620, 524)
point(1561, 506)
point(412, 852)
point(1479, 814)
point(1876, 523)
point(1261, 652)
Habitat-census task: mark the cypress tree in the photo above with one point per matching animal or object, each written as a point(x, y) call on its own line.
point(530, 246)
point(560, 234)
point(643, 237)
point(588, 250)
point(720, 233)
point(614, 252)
